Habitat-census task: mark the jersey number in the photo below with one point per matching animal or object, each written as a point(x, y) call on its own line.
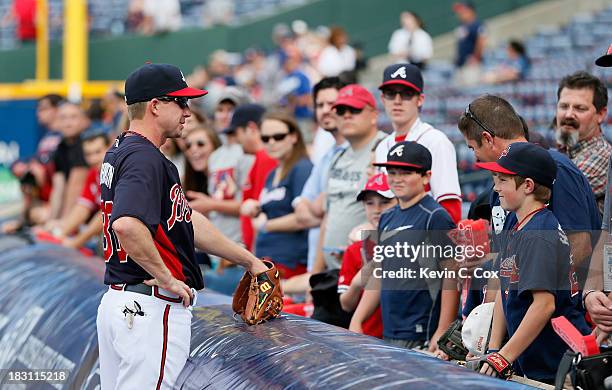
point(110, 243)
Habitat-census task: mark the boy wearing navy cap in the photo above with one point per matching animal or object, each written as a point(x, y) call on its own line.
point(416, 314)
point(537, 280)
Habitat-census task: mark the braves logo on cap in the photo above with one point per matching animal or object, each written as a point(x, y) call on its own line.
point(399, 151)
point(348, 92)
point(401, 72)
point(505, 152)
point(182, 75)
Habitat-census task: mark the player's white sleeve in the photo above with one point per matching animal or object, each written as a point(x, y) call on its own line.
point(444, 177)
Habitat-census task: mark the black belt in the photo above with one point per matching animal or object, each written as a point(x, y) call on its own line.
point(142, 288)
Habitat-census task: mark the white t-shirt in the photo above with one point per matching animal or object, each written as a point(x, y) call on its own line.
point(444, 177)
point(417, 46)
point(332, 61)
point(323, 141)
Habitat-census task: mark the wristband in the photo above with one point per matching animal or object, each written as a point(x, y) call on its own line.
point(491, 351)
point(584, 296)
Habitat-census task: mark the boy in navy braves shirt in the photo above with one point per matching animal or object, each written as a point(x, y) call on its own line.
point(536, 275)
point(415, 311)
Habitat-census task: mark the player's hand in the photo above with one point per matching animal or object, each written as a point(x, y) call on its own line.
point(258, 267)
point(174, 286)
point(433, 343)
point(11, 227)
point(441, 355)
point(601, 336)
point(599, 307)
point(250, 208)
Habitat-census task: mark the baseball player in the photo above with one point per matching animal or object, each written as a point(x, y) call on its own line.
point(149, 232)
point(402, 96)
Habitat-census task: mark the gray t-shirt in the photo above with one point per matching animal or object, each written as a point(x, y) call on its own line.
point(347, 177)
point(606, 223)
point(228, 168)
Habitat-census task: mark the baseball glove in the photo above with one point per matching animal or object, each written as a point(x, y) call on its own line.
point(259, 298)
point(450, 342)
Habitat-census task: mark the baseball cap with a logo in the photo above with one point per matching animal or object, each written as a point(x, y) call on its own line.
point(408, 155)
point(475, 332)
point(407, 75)
point(527, 160)
point(378, 184)
point(606, 59)
point(356, 96)
point(157, 80)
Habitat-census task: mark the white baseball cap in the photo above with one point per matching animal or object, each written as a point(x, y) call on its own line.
point(476, 328)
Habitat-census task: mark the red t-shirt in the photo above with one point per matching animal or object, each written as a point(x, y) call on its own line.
point(90, 195)
point(351, 265)
point(252, 188)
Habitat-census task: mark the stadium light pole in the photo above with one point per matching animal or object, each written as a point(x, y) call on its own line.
point(75, 47)
point(42, 40)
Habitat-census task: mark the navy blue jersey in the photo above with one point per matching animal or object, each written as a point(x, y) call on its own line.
point(537, 257)
point(138, 181)
point(572, 202)
point(411, 306)
point(287, 248)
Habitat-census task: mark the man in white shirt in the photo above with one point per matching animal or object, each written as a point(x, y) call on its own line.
point(402, 96)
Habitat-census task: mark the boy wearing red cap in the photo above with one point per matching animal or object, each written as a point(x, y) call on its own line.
point(537, 280)
point(376, 198)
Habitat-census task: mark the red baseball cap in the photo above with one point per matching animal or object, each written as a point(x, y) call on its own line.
point(356, 96)
point(377, 183)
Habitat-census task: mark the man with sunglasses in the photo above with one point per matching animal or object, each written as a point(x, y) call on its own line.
point(356, 117)
point(149, 234)
point(402, 95)
point(489, 125)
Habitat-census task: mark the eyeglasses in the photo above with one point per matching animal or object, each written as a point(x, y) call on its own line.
point(468, 113)
point(182, 102)
point(341, 110)
point(277, 137)
point(198, 143)
point(405, 94)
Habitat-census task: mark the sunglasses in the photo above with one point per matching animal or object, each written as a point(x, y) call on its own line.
point(405, 94)
point(341, 110)
point(468, 113)
point(182, 102)
point(277, 137)
point(198, 143)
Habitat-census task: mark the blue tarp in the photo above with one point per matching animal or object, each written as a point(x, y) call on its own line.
point(48, 303)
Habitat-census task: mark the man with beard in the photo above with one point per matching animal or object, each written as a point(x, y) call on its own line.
point(581, 108)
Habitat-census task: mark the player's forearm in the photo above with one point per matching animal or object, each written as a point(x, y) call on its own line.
point(94, 228)
point(448, 304)
point(209, 239)
point(595, 277)
point(137, 242)
point(367, 305)
point(498, 330)
point(536, 318)
point(317, 206)
point(286, 223)
point(76, 217)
